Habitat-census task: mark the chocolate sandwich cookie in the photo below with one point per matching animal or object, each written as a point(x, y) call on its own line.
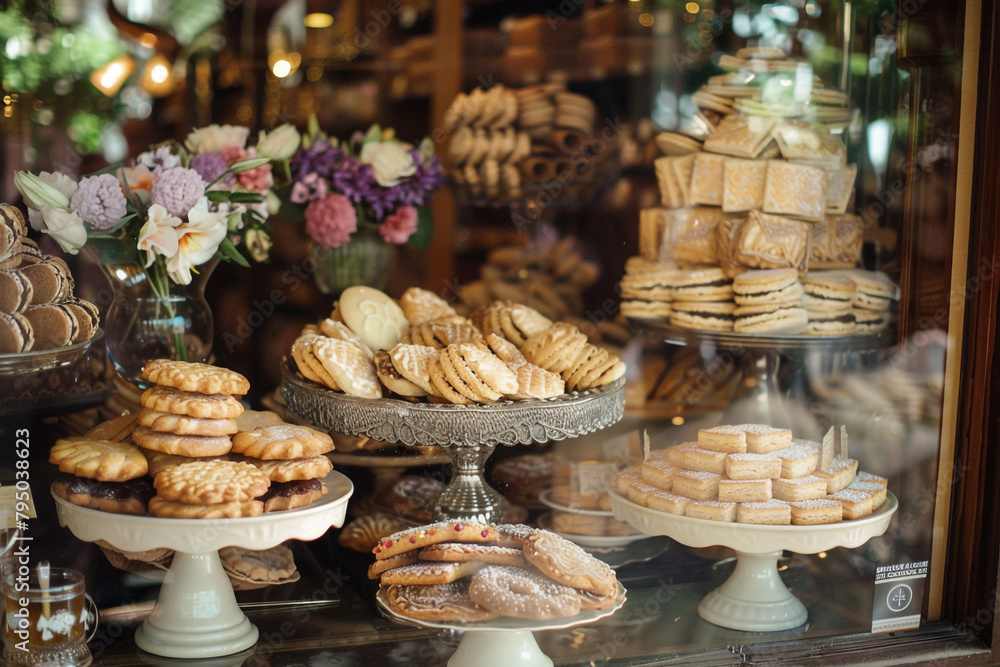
point(703, 315)
point(770, 318)
point(831, 323)
point(870, 321)
point(875, 290)
point(130, 497)
point(702, 285)
point(289, 495)
point(16, 334)
point(16, 291)
point(767, 286)
point(54, 326)
point(828, 289)
point(86, 315)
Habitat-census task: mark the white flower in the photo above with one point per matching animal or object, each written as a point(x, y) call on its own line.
point(159, 235)
point(46, 190)
point(198, 240)
point(279, 144)
point(390, 160)
point(66, 227)
point(213, 138)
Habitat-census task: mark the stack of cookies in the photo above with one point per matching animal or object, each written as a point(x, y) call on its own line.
point(753, 473)
point(37, 308)
point(506, 144)
point(421, 348)
point(453, 571)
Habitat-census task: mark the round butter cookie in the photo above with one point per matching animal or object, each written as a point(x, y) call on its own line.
point(211, 482)
point(231, 510)
point(201, 406)
point(103, 460)
point(195, 377)
point(289, 470)
point(284, 441)
point(164, 422)
point(183, 445)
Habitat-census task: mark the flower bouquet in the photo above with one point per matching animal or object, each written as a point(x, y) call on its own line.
point(158, 226)
point(360, 199)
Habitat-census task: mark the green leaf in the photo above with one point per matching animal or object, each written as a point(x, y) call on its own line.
point(228, 251)
point(246, 197)
point(425, 228)
point(218, 196)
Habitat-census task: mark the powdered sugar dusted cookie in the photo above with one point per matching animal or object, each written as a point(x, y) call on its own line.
point(437, 602)
point(513, 591)
point(435, 533)
point(373, 316)
point(568, 564)
point(429, 573)
point(483, 553)
point(284, 441)
point(352, 371)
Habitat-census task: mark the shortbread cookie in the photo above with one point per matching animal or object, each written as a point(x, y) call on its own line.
point(753, 466)
point(289, 495)
point(815, 512)
point(437, 602)
point(362, 534)
point(728, 439)
point(231, 510)
point(164, 422)
point(309, 366)
point(808, 487)
point(745, 490)
point(420, 305)
point(288, 470)
point(697, 484)
point(435, 533)
point(444, 388)
point(568, 564)
point(479, 370)
point(771, 512)
point(249, 569)
point(713, 510)
point(556, 348)
point(194, 377)
point(392, 379)
point(284, 441)
point(340, 331)
point(424, 573)
point(483, 553)
point(413, 363)
point(513, 591)
point(158, 461)
point(763, 439)
point(130, 497)
point(376, 569)
point(103, 460)
point(211, 482)
point(373, 316)
point(352, 371)
point(200, 406)
point(183, 445)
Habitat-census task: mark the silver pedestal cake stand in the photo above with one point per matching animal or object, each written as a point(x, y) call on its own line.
point(469, 433)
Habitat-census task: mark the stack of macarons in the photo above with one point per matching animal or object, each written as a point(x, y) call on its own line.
point(37, 308)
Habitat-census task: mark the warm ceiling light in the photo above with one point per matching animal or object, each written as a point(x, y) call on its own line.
point(281, 68)
point(318, 20)
point(156, 76)
point(692, 8)
point(109, 79)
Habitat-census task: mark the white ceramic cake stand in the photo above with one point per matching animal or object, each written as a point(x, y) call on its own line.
point(196, 614)
point(502, 642)
point(754, 598)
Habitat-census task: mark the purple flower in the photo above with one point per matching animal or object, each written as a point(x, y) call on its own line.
point(178, 190)
point(99, 201)
point(210, 166)
point(311, 187)
point(319, 157)
point(160, 159)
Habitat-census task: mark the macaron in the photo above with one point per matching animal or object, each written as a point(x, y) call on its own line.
point(703, 315)
point(16, 291)
point(875, 289)
point(15, 334)
point(770, 318)
point(702, 285)
point(52, 324)
point(762, 286)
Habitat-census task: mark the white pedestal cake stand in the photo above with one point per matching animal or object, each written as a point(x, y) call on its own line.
point(754, 598)
point(502, 642)
point(196, 614)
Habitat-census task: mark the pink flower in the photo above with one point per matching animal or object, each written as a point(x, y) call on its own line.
point(99, 201)
point(258, 179)
point(399, 225)
point(330, 221)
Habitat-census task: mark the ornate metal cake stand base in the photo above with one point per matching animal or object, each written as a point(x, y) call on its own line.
point(469, 433)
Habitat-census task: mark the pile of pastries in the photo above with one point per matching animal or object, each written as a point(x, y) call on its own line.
point(755, 473)
point(191, 452)
point(421, 349)
point(37, 308)
point(455, 571)
point(757, 194)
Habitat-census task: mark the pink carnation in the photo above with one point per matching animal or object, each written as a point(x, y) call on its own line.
point(399, 225)
point(330, 221)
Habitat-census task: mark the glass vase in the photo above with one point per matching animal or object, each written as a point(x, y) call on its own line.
point(151, 317)
point(366, 260)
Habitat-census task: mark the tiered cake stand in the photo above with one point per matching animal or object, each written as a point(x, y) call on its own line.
point(760, 358)
point(502, 642)
point(196, 614)
point(754, 598)
point(469, 433)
